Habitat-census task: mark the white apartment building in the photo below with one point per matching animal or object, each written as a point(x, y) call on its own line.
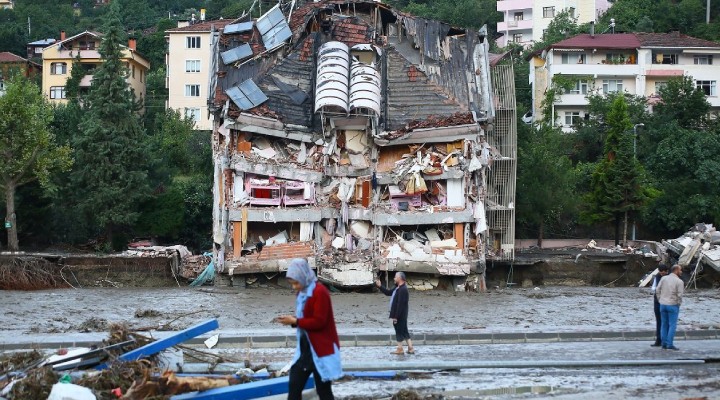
point(188, 65)
point(526, 20)
point(636, 63)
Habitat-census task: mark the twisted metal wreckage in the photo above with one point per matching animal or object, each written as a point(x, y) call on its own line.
point(364, 139)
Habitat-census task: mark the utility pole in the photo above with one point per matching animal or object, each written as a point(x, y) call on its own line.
point(707, 13)
point(640, 125)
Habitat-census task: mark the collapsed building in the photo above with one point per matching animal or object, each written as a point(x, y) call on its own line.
point(363, 139)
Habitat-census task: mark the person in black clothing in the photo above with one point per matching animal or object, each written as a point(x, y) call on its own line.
point(662, 271)
point(399, 307)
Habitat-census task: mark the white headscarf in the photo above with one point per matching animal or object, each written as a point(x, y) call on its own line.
point(299, 270)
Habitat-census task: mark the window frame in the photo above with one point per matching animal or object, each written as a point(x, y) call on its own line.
point(710, 85)
point(54, 94)
point(194, 113)
point(619, 86)
point(550, 10)
point(193, 42)
point(573, 117)
point(188, 66)
point(580, 59)
point(581, 87)
point(189, 89)
point(708, 58)
point(54, 65)
point(520, 14)
point(515, 37)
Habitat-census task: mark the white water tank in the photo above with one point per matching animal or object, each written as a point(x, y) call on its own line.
point(333, 77)
point(364, 87)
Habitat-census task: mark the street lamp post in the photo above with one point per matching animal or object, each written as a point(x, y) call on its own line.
point(635, 158)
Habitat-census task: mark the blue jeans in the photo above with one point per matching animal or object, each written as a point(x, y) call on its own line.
point(669, 316)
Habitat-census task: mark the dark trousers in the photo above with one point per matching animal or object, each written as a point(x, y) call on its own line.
point(298, 379)
point(658, 322)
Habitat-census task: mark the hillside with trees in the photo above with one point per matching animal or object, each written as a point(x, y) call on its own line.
point(171, 170)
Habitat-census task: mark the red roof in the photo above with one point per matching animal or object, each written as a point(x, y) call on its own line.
point(600, 41)
point(203, 26)
point(673, 39)
point(7, 57)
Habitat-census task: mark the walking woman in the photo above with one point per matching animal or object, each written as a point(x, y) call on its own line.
point(399, 307)
point(318, 346)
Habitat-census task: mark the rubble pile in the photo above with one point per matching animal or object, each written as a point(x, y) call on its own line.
point(434, 121)
point(192, 266)
point(128, 366)
point(697, 248)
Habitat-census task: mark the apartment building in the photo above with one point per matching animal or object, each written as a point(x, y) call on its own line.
point(359, 137)
point(60, 58)
point(636, 63)
point(188, 66)
point(525, 21)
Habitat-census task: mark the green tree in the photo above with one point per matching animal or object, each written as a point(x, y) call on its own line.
point(28, 151)
point(617, 187)
point(111, 177)
point(682, 102)
point(545, 177)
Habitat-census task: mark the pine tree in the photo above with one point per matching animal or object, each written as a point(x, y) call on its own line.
point(617, 183)
point(111, 174)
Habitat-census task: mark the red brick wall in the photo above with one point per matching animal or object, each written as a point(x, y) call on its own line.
point(288, 250)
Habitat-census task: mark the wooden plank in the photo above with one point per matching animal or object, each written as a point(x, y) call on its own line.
point(460, 235)
point(252, 390)
point(237, 239)
point(162, 344)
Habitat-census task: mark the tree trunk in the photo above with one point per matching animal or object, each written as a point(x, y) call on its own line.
point(109, 236)
point(625, 224)
point(13, 244)
point(541, 230)
point(617, 229)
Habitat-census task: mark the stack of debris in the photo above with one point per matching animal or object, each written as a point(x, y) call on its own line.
point(698, 247)
point(192, 266)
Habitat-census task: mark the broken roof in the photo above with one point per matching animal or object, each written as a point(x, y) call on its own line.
point(428, 70)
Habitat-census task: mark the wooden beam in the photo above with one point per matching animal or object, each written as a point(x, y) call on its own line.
point(237, 239)
point(252, 390)
point(460, 235)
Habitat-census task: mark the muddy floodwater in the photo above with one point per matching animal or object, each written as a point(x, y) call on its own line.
point(61, 313)
point(250, 311)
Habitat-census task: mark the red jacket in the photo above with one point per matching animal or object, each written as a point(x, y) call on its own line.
point(319, 322)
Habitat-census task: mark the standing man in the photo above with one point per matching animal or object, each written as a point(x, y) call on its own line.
point(669, 293)
point(399, 307)
point(662, 271)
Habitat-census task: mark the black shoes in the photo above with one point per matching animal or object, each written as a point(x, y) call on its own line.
point(656, 344)
point(672, 348)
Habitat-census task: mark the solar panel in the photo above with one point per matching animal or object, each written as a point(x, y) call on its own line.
point(236, 54)
point(247, 95)
point(274, 28)
point(238, 28)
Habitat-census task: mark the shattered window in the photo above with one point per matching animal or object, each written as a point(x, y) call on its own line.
point(192, 65)
point(58, 68)
point(548, 12)
point(704, 59)
point(57, 92)
point(708, 87)
point(192, 90)
point(192, 42)
point(612, 86)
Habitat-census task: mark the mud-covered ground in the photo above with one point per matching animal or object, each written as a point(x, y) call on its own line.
point(250, 311)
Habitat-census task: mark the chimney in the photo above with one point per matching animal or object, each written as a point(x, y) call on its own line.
point(592, 29)
point(62, 35)
point(132, 43)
